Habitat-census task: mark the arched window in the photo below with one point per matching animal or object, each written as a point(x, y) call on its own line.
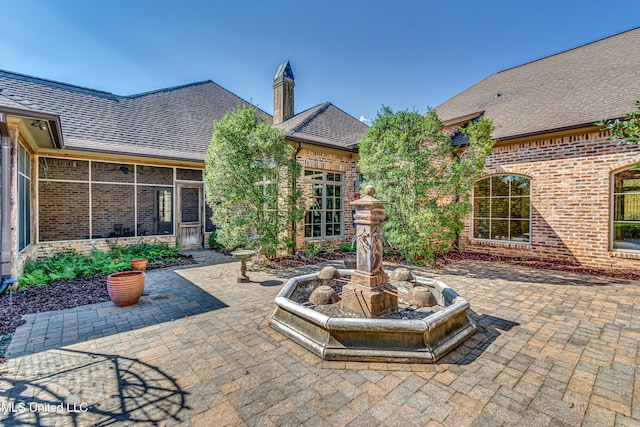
point(502, 208)
point(626, 210)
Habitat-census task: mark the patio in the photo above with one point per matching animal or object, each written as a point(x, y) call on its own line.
point(552, 349)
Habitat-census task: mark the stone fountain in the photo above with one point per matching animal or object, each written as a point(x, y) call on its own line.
point(369, 294)
point(363, 323)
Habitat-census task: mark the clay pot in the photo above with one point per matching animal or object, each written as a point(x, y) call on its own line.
point(139, 264)
point(125, 288)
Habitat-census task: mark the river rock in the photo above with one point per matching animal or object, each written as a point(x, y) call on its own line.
point(323, 295)
point(421, 297)
point(328, 273)
point(402, 275)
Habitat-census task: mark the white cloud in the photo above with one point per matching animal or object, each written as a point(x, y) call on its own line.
point(364, 120)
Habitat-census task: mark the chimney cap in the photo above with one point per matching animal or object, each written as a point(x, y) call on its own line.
point(284, 71)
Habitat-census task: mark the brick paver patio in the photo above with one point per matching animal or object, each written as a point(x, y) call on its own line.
point(552, 349)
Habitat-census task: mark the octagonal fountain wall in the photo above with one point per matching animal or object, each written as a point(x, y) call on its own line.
point(363, 323)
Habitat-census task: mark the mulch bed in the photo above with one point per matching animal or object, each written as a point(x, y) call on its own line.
point(292, 261)
point(56, 296)
point(566, 266)
point(285, 262)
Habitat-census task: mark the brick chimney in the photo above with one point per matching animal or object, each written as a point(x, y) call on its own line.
point(283, 93)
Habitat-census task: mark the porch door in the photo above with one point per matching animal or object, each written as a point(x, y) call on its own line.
point(189, 215)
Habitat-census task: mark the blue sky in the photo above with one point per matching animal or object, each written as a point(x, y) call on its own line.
point(357, 54)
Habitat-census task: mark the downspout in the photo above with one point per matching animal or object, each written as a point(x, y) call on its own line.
point(294, 226)
point(5, 205)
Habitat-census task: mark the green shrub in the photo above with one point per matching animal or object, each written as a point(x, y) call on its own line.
point(328, 248)
point(69, 264)
point(347, 247)
point(213, 243)
point(410, 160)
point(311, 251)
point(143, 250)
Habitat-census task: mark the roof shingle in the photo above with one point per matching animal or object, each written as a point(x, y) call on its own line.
point(174, 122)
point(569, 89)
point(326, 125)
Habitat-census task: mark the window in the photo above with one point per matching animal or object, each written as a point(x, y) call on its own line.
point(154, 200)
point(81, 199)
point(502, 208)
point(24, 198)
point(155, 210)
point(626, 210)
point(269, 199)
point(324, 218)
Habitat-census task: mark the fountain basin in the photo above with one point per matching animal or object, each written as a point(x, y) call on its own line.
point(374, 340)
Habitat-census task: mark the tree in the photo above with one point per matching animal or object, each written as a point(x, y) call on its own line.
point(626, 130)
point(412, 164)
point(249, 174)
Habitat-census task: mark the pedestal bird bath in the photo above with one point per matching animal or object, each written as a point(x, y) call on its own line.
point(365, 321)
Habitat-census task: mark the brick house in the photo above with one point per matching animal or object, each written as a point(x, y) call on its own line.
point(81, 167)
point(554, 187)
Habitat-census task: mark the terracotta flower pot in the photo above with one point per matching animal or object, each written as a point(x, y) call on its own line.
point(139, 264)
point(125, 288)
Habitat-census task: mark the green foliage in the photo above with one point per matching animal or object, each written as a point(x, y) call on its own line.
point(249, 172)
point(143, 250)
point(626, 130)
point(213, 242)
point(310, 251)
point(347, 247)
point(4, 343)
point(411, 162)
point(69, 264)
point(327, 248)
point(629, 231)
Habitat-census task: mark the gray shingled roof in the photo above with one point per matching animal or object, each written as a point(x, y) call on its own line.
point(572, 88)
point(172, 123)
point(325, 125)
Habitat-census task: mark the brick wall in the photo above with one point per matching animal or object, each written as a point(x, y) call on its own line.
point(146, 208)
point(190, 204)
point(570, 198)
point(189, 175)
point(85, 246)
point(111, 205)
point(63, 210)
point(334, 162)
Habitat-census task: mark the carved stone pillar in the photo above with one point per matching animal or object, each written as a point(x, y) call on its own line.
point(367, 294)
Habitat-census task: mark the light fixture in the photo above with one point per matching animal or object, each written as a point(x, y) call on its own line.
point(38, 124)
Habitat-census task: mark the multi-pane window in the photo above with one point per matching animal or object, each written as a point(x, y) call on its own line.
point(502, 208)
point(626, 210)
point(80, 199)
point(325, 217)
point(24, 198)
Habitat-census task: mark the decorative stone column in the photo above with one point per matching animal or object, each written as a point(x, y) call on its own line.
point(368, 292)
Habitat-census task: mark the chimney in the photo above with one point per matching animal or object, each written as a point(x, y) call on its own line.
point(283, 93)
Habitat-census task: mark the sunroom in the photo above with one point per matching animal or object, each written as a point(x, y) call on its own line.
point(55, 197)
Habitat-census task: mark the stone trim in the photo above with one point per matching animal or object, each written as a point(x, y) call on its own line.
point(500, 244)
point(624, 255)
